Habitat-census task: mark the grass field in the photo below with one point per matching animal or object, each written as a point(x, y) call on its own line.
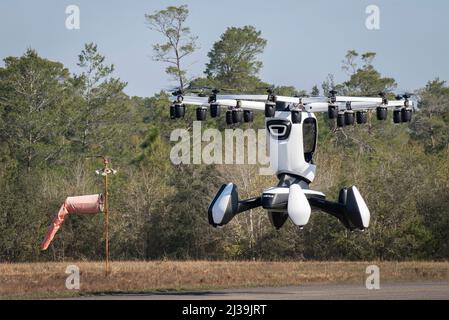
point(46, 280)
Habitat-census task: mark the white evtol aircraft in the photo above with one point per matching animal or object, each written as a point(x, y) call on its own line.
point(292, 128)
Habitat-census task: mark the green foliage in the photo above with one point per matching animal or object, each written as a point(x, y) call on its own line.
point(288, 91)
point(233, 59)
point(431, 124)
point(328, 85)
point(50, 121)
point(180, 230)
point(170, 23)
point(364, 80)
point(315, 91)
point(33, 91)
point(100, 103)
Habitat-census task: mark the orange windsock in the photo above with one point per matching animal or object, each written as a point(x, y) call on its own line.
point(90, 204)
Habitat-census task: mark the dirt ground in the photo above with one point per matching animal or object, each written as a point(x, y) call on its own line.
point(47, 280)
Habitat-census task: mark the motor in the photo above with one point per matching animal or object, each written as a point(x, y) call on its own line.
point(214, 110)
point(248, 116)
point(361, 117)
point(349, 117)
point(201, 113)
point(381, 113)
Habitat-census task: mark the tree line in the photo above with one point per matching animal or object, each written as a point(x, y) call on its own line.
point(52, 121)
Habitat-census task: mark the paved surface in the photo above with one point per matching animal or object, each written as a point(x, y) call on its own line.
point(392, 291)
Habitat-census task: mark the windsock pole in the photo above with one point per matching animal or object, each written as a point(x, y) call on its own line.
point(106, 215)
point(105, 172)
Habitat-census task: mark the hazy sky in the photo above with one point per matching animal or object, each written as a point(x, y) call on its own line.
point(306, 39)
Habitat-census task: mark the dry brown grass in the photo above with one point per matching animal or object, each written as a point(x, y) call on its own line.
point(48, 279)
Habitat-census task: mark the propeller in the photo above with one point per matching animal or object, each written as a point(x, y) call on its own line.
point(404, 94)
point(199, 88)
point(333, 96)
point(201, 91)
point(384, 97)
point(177, 93)
point(269, 89)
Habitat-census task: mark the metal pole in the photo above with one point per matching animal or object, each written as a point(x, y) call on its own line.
point(106, 212)
point(105, 171)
